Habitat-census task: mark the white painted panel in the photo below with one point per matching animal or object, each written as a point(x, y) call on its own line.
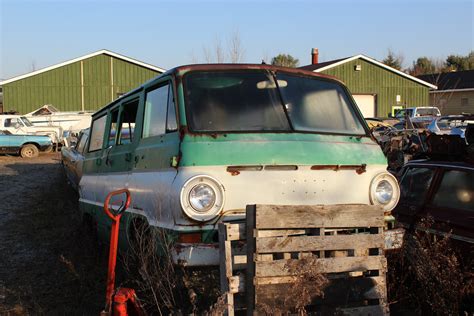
point(366, 104)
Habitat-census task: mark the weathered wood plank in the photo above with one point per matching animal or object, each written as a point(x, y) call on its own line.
point(229, 301)
point(280, 232)
point(318, 216)
point(325, 265)
point(338, 292)
point(250, 214)
point(318, 243)
point(236, 231)
point(373, 310)
point(267, 257)
point(225, 254)
point(237, 283)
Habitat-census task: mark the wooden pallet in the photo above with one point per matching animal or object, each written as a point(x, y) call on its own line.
point(343, 243)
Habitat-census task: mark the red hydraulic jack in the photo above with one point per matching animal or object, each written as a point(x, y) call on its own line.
point(124, 302)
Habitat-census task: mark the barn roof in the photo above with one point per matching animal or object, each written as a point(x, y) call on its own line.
point(336, 62)
point(100, 52)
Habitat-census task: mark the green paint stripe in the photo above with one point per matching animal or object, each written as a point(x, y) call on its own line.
point(299, 149)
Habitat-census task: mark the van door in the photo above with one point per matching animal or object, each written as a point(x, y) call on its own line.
point(156, 156)
point(120, 141)
point(159, 144)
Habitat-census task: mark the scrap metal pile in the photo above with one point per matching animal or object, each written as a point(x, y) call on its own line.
point(445, 138)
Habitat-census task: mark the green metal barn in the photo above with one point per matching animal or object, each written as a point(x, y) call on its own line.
point(377, 88)
point(85, 83)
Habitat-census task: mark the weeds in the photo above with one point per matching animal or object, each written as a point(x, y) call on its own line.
point(163, 286)
point(308, 284)
point(426, 274)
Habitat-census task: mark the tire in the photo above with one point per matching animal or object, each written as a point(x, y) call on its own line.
point(29, 151)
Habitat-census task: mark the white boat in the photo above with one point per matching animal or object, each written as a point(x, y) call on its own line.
point(48, 115)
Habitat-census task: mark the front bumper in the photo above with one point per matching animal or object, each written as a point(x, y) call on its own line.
point(196, 254)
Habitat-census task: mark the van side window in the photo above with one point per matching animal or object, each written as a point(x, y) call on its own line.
point(113, 127)
point(127, 122)
point(97, 133)
point(81, 144)
point(171, 124)
point(156, 104)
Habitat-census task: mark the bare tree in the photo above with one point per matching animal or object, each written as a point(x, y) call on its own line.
point(441, 98)
point(207, 54)
point(33, 65)
point(193, 58)
point(236, 52)
point(217, 53)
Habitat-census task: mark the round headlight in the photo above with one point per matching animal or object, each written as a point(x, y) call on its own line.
point(384, 191)
point(202, 198)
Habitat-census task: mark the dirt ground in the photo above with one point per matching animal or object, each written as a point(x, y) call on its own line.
point(48, 264)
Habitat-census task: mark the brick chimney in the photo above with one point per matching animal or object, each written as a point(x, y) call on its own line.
point(314, 56)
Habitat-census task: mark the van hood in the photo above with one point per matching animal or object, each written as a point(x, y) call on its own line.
point(278, 149)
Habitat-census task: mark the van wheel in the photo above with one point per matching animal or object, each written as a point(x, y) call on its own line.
point(29, 151)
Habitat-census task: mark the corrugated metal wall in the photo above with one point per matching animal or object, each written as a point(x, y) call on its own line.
point(372, 79)
point(61, 87)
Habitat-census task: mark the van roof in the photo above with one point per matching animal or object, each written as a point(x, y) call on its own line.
point(181, 70)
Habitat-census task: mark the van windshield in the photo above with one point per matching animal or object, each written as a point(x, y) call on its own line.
point(400, 114)
point(26, 121)
point(258, 101)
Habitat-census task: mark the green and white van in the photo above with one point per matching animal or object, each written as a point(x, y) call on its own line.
point(198, 143)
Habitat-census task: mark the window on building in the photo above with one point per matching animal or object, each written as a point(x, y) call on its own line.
point(128, 118)
point(464, 101)
point(97, 133)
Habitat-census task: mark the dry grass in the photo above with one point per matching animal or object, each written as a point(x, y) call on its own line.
point(163, 286)
point(309, 284)
point(426, 275)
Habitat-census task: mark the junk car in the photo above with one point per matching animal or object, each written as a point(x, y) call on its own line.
point(20, 125)
point(72, 158)
point(28, 146)
point(442, 191)
point(197, 144)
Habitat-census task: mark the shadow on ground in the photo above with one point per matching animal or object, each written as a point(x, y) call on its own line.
point(48, 263)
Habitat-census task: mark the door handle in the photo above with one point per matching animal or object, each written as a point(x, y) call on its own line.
point(108, 161)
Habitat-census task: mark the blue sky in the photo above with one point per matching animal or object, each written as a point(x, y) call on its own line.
point(170, 33)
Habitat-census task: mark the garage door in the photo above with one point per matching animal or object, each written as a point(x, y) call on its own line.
point(366, 104)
